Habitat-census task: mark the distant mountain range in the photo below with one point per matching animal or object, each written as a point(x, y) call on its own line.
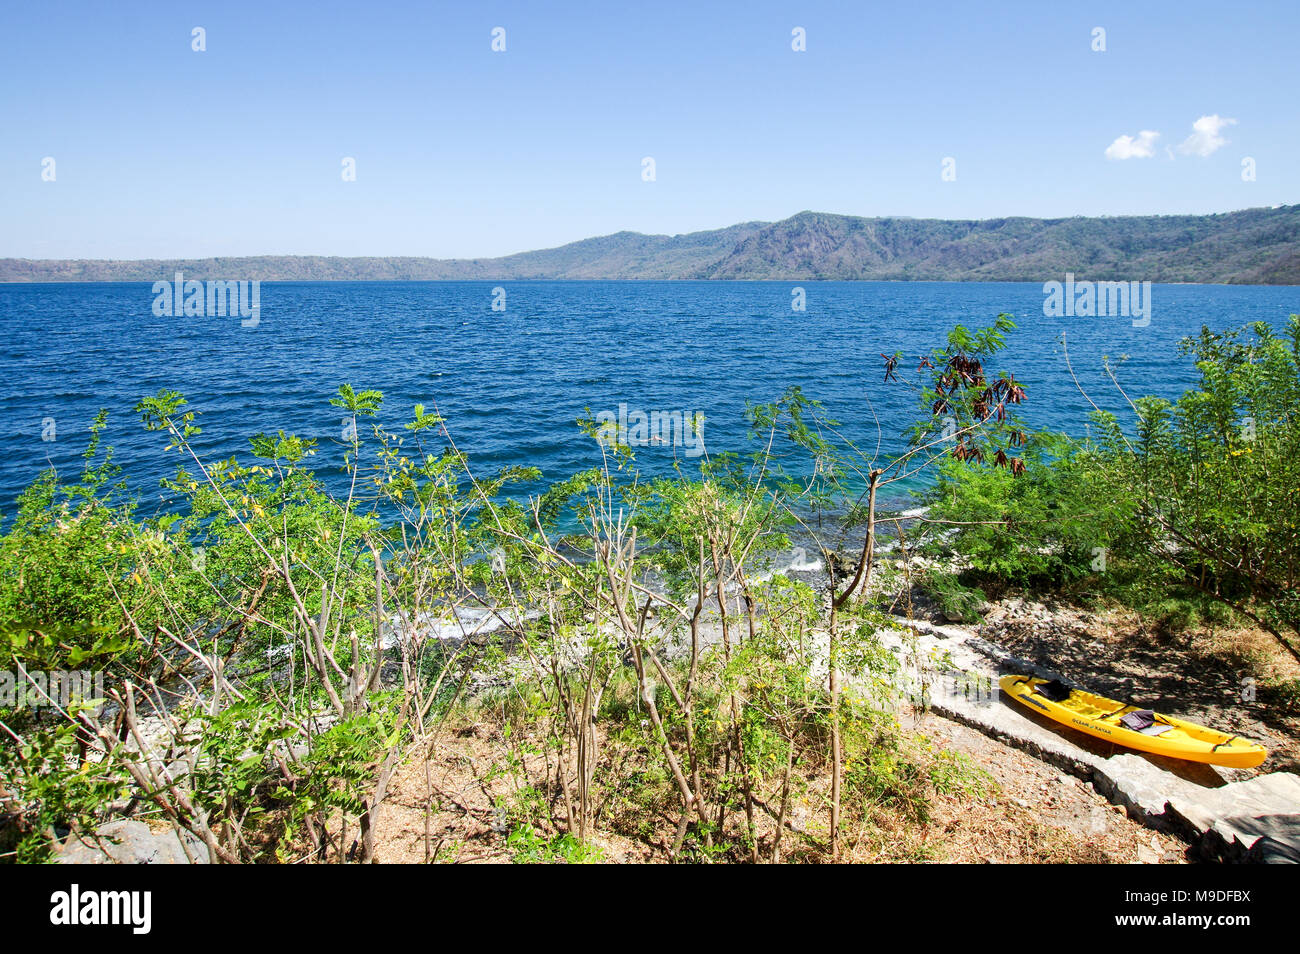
point(1253, 246)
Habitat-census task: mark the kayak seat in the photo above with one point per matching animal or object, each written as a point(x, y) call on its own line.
point(1055, 690)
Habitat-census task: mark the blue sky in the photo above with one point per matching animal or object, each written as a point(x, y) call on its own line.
point(161, 151)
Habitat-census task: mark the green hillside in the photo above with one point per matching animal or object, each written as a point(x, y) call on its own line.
point(1253, 246)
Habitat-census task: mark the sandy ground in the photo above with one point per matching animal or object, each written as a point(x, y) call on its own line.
point(1032, 813)
point(1048, 799)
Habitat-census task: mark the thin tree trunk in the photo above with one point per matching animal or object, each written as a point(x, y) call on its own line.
point(833, 665)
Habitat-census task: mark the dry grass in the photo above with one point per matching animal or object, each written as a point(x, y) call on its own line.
point(479, 779)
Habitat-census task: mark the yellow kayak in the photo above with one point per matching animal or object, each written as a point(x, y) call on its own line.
point(1132, 726)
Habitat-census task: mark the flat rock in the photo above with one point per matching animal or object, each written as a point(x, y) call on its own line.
point(132, 843)
point(1254, 820)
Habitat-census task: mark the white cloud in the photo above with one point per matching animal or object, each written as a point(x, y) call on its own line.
point(1128, 147)
point(1205, 138)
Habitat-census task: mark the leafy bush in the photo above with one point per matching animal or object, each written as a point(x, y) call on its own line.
point(1194, 506)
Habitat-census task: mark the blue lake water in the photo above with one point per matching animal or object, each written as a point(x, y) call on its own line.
point(512, 383)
